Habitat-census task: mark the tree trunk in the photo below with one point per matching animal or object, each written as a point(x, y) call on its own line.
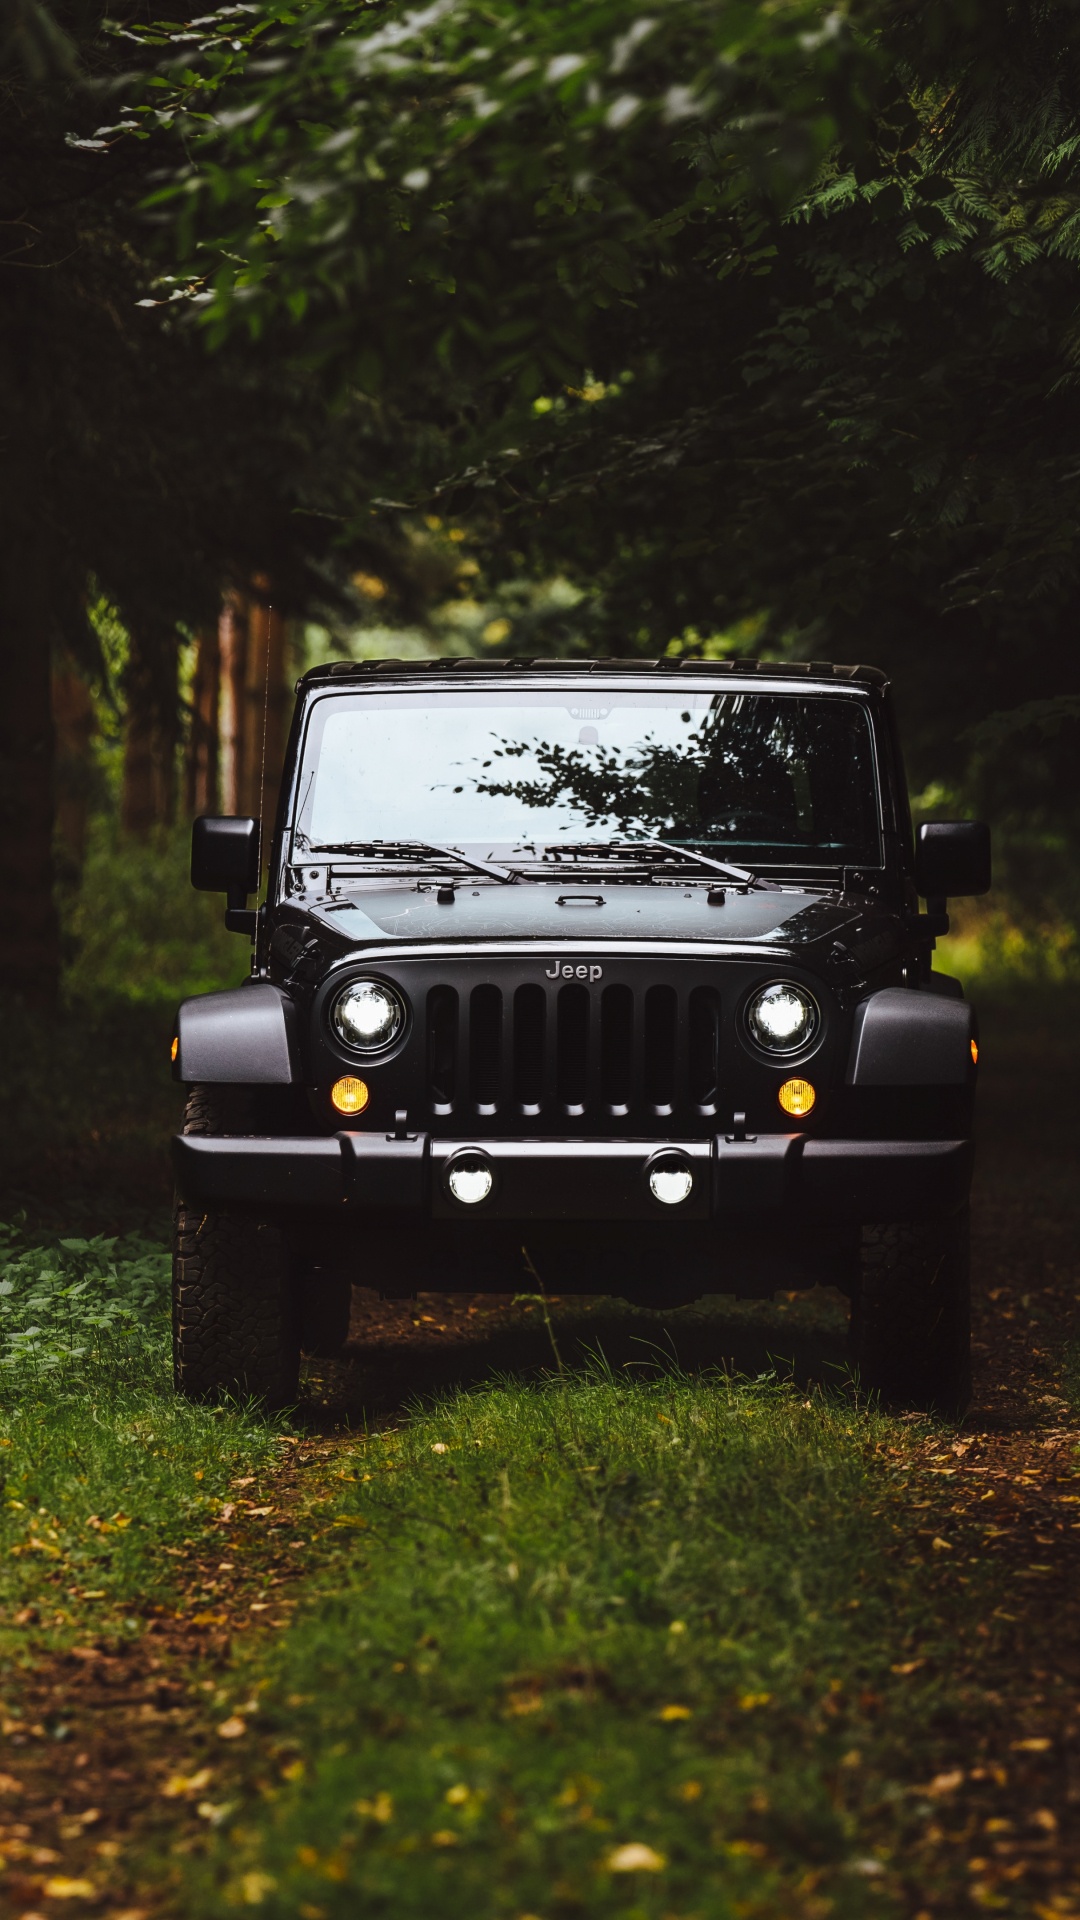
point(233, 644)
point(76, 724)
point(151, 735)
point(201, 772)
point(29, 930)
point(266, 699)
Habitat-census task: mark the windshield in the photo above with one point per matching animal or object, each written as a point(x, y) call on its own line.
point(772, 778)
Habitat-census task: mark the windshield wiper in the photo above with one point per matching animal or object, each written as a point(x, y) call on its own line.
point(380, 849)
point(738, 874)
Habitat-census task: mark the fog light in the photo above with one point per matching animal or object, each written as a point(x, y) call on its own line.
point(671, 1182)
point(349, 1095)
point(797, 1097)
point(470, 1180)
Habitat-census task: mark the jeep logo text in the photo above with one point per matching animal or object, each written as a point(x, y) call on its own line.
point(564, 971)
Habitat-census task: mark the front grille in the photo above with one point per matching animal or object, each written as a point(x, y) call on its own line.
point(569, 1051)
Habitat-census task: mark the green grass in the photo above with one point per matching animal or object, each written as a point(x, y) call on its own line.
point(102, 1467)
point(567, 1621)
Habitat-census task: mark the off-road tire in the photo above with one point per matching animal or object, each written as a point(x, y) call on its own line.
point(235, 1321)
point(325, 1308)
point(911, 1315)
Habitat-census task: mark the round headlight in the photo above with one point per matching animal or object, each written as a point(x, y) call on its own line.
point(368, 1016)
point(782, 1017)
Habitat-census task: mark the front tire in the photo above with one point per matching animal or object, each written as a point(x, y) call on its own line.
point(911, 1315)
point(236, 1327)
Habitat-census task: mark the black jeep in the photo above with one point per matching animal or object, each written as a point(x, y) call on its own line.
point(610, 974)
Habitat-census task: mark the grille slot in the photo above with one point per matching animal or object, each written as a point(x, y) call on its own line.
point(485, 1048)
point(442, 1028)
point(617, 1049)
point(572, 1049)
point(661, 1011)
point(703, 1051)
point(530, 1029)
point(568, 1050)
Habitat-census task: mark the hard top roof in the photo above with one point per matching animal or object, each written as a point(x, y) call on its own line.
point(508, 669)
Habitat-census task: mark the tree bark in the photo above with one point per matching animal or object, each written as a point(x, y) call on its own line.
point(201, 783)
point(75, 723)
point(151, 736)
point(266, 699)
point(233, 644)
point(29, 930)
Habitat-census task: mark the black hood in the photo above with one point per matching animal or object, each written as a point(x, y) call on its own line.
point(813, 927)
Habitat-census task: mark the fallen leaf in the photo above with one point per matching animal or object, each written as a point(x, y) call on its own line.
point(60, 1888)
point(908, 1666)
point(9, 1784)
point(254, 1888)
point(440, 1446)
point(946, 1782)
point(635, 1857)
point(675, 1712)
point(748, 1701)
point(1045, 1819)
point(939, 1545)
point(444, 1838)
point(258, 1513)
point(179, 1784)
point(1035, 1745)
point(231, 1729)
point(381, 1808)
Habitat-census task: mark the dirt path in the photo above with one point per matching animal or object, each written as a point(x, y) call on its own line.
point(123, 1743)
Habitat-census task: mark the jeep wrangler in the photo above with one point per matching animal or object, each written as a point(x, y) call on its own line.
point(611, 973)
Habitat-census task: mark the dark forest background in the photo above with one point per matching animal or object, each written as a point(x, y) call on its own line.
point(706, 328)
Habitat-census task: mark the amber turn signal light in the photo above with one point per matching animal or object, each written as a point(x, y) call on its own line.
point(350, 1095)
point(175, 1048)
point(974, 1053)
point(797, 1097)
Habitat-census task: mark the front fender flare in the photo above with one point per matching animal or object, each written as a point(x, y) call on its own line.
point(904, 1037)
point(246, 1036)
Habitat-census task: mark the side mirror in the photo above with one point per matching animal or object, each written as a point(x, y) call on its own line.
point(225, 859)
point(952, 857)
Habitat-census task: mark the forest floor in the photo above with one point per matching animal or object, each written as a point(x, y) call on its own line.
point(151, 1763)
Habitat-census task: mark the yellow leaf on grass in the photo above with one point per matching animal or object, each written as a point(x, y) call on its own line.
point(635, 1857)
point(444, 1838)
point(1035, 1745)
point(748, 1701)
point(179, 1784)
point(232, 1728)
point(946, 1782)
point(939, 1545)
point(60, 1888)
point(908, 1666)
point(675, 1712)
point(254, 1888)
point(381, 1808)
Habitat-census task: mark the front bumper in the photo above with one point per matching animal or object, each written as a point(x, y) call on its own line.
point(802, 1180)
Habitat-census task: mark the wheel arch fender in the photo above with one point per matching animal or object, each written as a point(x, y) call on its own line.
point(246, 1035)
point(906, 1037)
